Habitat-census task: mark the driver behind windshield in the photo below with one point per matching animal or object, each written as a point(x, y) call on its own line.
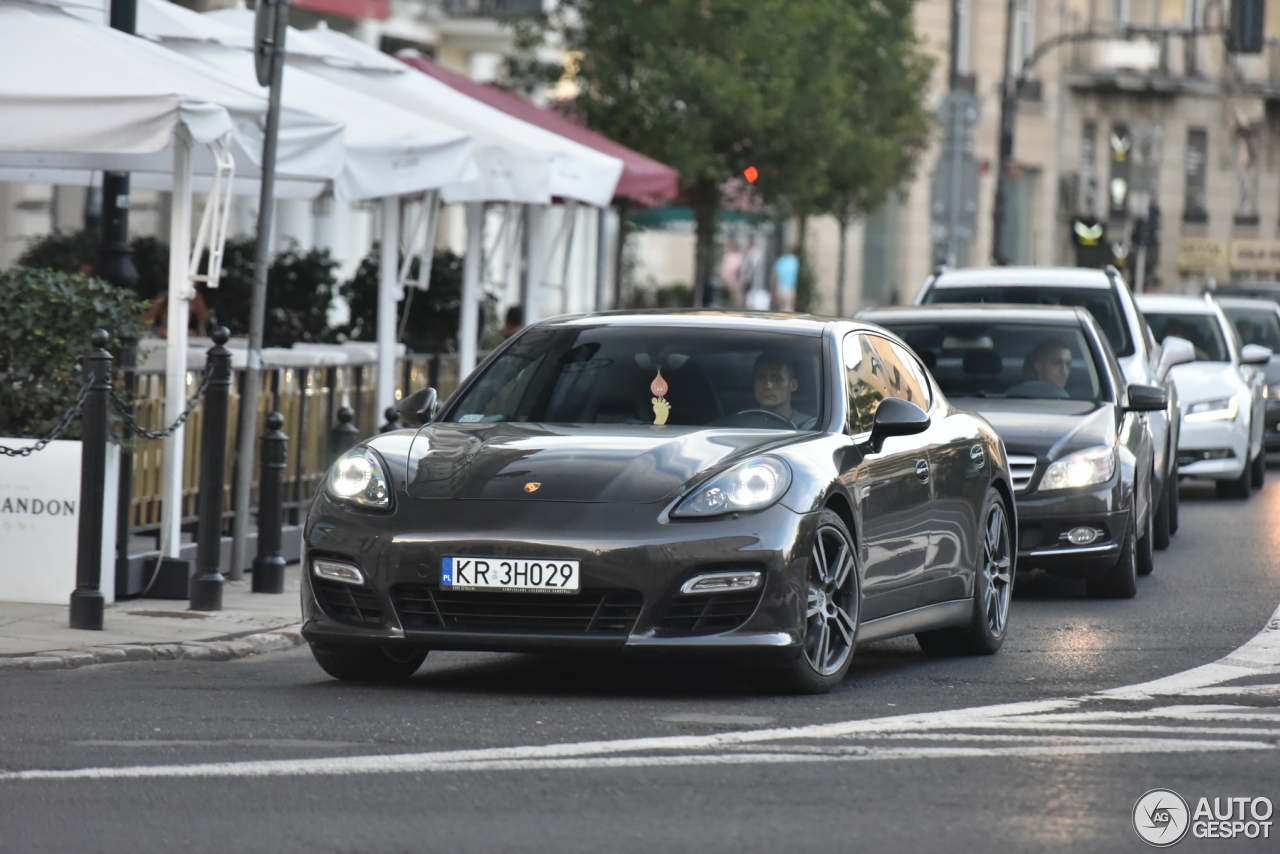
point(1045, 371)
point(774, 381)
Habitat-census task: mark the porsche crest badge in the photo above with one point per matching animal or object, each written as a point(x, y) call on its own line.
point(531, 487)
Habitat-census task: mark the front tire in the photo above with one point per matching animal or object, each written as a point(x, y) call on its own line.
point(992, 591)
point(1238, 488)
point(369, 663)
point(1121, 581)
point(833, 606)
point(1145, 559)
point(1258, 470)
point(1163, 527)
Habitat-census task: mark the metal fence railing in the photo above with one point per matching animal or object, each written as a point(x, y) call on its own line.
point(308, 397)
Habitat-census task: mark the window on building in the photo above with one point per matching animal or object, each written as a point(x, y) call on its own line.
point(1195, 207)
point(1246, 164)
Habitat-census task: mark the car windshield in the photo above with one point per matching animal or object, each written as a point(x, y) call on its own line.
point(614, 374)
point(1202, 330)
point(1256, 326)
point(1102, 303)
point(1006, 359)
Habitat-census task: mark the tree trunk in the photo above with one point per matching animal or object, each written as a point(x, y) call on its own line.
point(621, 297)
point(804, 278)
point(842, 271)
point(706, 214)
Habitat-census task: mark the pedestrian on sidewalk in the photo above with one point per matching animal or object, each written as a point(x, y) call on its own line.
point(786, 272)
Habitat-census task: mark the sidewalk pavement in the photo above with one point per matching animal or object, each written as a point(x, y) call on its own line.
point(38, 637)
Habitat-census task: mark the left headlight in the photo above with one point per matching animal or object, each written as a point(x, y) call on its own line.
point(1272, 391)
point(360, 476)
point(1083, 468)
point(1218, 409)
point(752, 485)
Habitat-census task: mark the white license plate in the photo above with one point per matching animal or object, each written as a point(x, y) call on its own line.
point(512, 574)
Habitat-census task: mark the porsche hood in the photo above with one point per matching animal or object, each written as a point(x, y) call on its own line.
point(632, 464)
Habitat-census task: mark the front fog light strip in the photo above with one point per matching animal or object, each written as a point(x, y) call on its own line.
point(334, 571)
point(722, 582)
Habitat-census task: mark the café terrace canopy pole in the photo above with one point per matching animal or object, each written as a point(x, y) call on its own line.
point(272, 23)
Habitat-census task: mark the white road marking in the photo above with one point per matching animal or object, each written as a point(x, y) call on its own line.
point(1102, 731)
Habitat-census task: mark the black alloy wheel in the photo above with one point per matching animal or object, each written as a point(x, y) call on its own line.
point(369, 662)
point(833, 603)
point(992, 591)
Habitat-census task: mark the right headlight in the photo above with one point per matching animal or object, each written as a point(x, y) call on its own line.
point(360, 477)
point(752, 485)
point(1218, 409)
point(1083, 468)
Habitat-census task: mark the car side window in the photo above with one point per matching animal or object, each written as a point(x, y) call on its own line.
point(903, 375)
point(864, 381)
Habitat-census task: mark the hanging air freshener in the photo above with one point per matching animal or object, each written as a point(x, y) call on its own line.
point(661, 407)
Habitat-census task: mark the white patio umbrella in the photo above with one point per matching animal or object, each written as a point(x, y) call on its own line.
point(519, 162)
point(77, 96)
point(388, 151)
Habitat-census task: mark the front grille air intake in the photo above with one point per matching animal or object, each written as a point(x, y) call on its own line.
point(709, 614)
point(348, 603)
point(1021, 469)
point(599, 613)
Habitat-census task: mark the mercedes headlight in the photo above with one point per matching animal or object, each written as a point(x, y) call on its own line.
point(360, 477)
point(1218, 409)
point(752, 485)
point(1083, 468)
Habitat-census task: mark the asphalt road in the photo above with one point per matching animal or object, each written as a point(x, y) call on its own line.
point(609, 754)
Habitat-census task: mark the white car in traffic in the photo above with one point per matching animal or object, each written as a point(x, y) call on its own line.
point(1222, 393)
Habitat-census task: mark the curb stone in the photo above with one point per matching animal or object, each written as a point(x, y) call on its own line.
point(212, 650)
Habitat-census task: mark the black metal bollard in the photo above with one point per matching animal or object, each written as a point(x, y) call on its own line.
point(87, 602)
point(205, 589)
point(393, 420)
point(268, 566)
point(346, 434)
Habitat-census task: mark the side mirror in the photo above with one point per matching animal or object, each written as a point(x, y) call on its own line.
point(1174, 351)
point(1147, 398)
point(1255, 354)
point(418, 408)
point(896, 417)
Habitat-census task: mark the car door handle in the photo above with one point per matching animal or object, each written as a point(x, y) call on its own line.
point(977, 456)
point(922, 470)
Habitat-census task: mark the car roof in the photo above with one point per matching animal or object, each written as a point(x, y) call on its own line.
point(1031, 277)
point(1244, 302)
point(1175, 304)
point(793, 324)
point(1046, 314)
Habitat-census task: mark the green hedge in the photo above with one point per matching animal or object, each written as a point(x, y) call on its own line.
point(45, 323)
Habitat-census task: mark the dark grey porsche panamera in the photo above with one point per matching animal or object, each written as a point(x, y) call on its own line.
point(783, 487)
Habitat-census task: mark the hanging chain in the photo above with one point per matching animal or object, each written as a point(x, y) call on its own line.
point(6, 451)
point(127, 417)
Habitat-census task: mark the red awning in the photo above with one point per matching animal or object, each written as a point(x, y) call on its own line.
point(355, 9)
point(644, 180)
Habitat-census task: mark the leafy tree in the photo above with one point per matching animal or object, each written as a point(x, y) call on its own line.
point(77, 252)
point(714, 86)
point(433, 314)
point(44, 330)
point(300, 287)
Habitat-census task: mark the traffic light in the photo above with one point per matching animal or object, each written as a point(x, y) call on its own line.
point(1248, 25)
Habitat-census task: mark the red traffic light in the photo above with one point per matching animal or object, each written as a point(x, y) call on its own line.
point(751, 173)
